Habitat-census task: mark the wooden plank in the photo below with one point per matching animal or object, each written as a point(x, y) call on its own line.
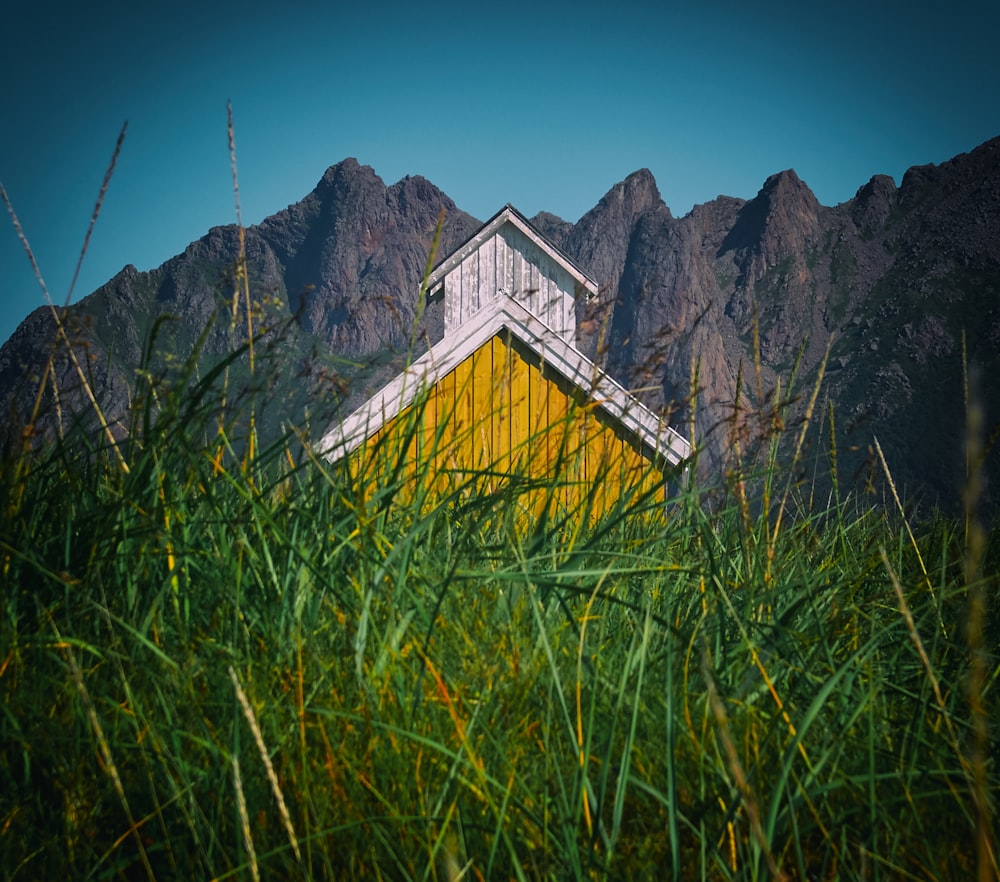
point(465, 451)
point(538, 413)
point(444, 433)
point(518, 409)
point(422, 463)
point(470, 286)
point(482, 405)
point(651, 477)
point(426, 468)
point(505, 262)
point(535, 301)
point(570, 454)
point(499, 405)
point(562, 308)
point(517, 249)
point(452, 301)
point(555, 428)
point(486, 274)
point(530, 280)
point(612, 487)
point(548, 415)
point(588, 456)
point(547, 295)
point(499, 259)
point(598, 455)
point(409, 443)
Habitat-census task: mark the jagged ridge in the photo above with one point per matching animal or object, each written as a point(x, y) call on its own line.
point(890, 279)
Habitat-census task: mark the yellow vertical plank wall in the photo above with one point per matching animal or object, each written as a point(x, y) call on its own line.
point(498, 414)
point(518, 410)
point(559, 431)
point(465, 451)
point(482, 391)
point(444, 434)
point(491, 406)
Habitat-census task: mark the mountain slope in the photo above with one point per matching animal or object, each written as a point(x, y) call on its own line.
point(741, 294)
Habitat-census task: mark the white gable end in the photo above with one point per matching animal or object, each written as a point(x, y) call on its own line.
point(508, 258)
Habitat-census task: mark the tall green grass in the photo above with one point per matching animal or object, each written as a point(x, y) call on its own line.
point(221, 661)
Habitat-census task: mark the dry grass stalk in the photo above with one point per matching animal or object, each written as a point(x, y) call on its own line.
point(242, 275)
point(736, 769)
point(286, 818)
point(105, 750)
point(241, 805)
point(61, 332)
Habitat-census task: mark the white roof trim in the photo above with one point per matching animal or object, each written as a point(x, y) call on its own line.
point(554, 352)
point(511, 215)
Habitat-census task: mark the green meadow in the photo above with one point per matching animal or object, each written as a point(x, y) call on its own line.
point(223, 661)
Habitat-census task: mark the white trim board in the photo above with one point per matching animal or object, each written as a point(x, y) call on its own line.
point(554, 352)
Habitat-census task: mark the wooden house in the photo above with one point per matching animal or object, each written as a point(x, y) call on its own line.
point(505, 394)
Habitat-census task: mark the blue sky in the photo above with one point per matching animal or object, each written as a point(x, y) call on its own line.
point(545, 105)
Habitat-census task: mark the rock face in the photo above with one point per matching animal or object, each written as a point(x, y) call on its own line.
point(334, 279)
point(745, 297)
point(353, 251)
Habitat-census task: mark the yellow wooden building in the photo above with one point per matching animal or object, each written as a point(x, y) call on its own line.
point(505, 395)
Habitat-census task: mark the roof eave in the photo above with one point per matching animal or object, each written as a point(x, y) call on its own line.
point(504, 313)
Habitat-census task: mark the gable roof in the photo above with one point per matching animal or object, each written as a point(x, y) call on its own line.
point(508, 214)
point(653, 434)
point(505, 299)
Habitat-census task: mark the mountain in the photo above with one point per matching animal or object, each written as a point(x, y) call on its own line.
point(334, 279)
point(899, 285)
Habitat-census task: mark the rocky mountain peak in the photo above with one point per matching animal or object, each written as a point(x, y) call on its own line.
point(600, 239)
point(873, 202)
point(956, 205)
point(341, 170)
point(915, 181)
point(354, 250)
point(784, 181)
point(415, 195)
point(350, 181)
point(788, 207)
point(781, 220)
point(636, 194)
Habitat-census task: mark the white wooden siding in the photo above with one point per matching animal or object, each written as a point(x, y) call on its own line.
point(510, 263)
